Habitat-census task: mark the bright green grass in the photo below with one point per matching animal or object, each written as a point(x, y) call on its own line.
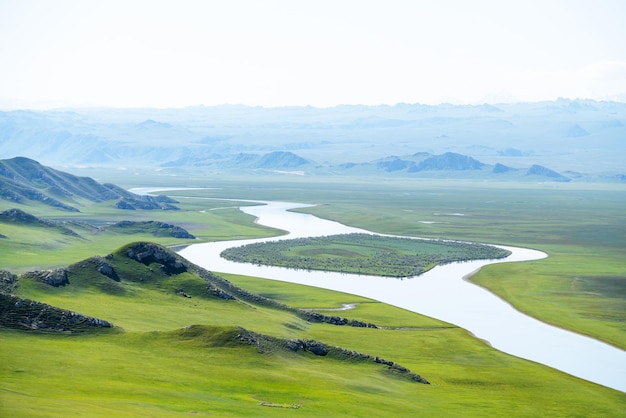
point(582, 229)
point(581, 226)
point(35, 247)
point(580, 292)
point(322, 300)
point(144, 372)
point(147, 373)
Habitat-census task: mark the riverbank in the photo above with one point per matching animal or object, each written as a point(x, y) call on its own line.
point(441, 293)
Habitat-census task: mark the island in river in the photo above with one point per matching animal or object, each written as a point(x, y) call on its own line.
point(361, 253)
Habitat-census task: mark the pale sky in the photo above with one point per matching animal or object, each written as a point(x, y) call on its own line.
point(156, 53)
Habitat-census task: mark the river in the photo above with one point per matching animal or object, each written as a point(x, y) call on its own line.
point(441, 293)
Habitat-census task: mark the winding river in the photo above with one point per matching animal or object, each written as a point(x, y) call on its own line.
point(441, 293)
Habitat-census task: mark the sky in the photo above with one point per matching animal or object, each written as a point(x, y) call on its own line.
point(154, 53)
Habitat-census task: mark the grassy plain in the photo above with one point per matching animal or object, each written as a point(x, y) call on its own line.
point(582, 227)
point(152, 369)
point(31, 247)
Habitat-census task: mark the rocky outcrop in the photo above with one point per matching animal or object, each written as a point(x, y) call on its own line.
point(175, 231)
point(147, 253)
point(268, 344)
point(8, 281)
point(28, 314)
point(158, 229)
point(56, 278)
point(107, 270)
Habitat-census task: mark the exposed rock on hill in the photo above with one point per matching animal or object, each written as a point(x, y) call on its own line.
point(8, 281)
point(158, 229)
point(55, 278)
point(148, 253)
point(268, 344)
point(153, 255)
point(28, 314)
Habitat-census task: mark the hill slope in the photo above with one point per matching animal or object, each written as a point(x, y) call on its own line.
point(23, 179)
point(149, 265)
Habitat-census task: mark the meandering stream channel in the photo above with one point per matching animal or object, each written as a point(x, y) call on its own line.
point(441, 293)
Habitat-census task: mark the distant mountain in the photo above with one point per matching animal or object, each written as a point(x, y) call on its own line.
point(538, 170)
point(449, 164)
point(579, 135)
point(280, 159)
point(447, 161)
point(501, 168)
point(276, 160)
point(23, 179)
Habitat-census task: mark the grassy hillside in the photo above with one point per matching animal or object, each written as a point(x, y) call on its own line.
point(175, 354)
point(154, 364)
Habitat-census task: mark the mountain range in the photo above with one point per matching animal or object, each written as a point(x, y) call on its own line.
point(576, 136)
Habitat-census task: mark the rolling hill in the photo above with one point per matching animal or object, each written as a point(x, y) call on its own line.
point(23, 179)
point(153, 267)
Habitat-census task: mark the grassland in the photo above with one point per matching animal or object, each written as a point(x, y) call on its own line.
point(153, 369)
point(30, 247)
point(159, 367)
point(580, 286)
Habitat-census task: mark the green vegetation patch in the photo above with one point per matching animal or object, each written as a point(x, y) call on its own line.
point(362, 254)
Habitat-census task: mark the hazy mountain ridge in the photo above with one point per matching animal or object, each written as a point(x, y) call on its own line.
point(578, 135)
point(23, 179)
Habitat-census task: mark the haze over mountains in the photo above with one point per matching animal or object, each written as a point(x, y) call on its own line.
point(561, 140)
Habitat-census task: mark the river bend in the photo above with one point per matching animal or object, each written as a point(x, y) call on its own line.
point(441, 293)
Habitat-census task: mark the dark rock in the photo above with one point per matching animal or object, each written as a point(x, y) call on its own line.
point(316, 347)
point(8, 281)
point(147, 253)
point(21, 313)
point(182, 293)
point(55, 278)
point(107, 270)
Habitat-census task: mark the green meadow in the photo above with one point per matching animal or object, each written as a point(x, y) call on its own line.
point(154, 364)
